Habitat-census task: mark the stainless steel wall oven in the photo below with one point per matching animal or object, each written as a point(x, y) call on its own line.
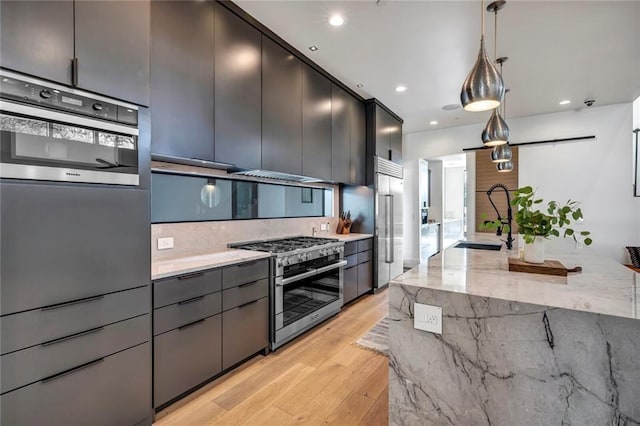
point(50, 132)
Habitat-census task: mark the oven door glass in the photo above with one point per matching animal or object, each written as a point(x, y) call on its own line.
point(308, 295)
point(30, 141)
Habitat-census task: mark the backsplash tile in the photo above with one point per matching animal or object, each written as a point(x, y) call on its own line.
point(196, 238)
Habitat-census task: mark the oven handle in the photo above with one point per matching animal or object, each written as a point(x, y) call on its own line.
point(332, 266)
point(44, 114)
point(295, 278)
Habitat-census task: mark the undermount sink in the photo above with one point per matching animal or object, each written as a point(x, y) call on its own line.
point(478, 246)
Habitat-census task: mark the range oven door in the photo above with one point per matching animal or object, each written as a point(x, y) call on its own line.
point(306, 299)
point(43, 144)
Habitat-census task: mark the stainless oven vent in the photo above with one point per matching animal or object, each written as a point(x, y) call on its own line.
point(266, 174)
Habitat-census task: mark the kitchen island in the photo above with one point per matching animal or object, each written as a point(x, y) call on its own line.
point(516, 348)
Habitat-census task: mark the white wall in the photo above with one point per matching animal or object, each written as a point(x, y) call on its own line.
point(597, 173)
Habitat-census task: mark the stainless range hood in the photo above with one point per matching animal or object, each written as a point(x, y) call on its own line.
point(267, 174)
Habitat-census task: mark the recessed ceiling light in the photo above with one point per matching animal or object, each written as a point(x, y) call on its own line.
point(359, 85)
point(336, 20)
point(433, 123)
point(313, 48)
point(451, 107)
point(564, 102)
point(401, 89)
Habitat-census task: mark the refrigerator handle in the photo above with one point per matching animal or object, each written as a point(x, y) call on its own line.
point(393, 236)
point(388, 213)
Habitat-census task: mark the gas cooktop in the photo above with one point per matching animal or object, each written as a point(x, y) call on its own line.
point(284, 245)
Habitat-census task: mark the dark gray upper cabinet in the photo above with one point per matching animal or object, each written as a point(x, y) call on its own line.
point(182, 89)
point(340, 135)
point(385, 132)
point(357, 126)
point(382, 132)
point(237, 91)
point(395, 140)
point(36, 37)
point(316, 124)
point(112, 47)
point(281, 109)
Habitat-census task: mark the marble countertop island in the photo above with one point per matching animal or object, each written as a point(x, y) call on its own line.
point(514, 348)
point(604, 286)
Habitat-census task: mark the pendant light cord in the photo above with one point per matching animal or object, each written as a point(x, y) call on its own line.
point(495, 40)
point(482, 20)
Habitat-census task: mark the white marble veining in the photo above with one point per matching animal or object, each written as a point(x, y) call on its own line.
point(603, 287)
point(348, 237)
point(168, 268)
point(504, 363)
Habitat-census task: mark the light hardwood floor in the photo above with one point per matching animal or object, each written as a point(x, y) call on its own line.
point(319, 378)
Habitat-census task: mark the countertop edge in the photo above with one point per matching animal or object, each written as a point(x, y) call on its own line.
point(203, 265)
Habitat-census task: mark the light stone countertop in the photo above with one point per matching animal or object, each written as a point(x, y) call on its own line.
point(169, 268)
point(349, 237)
point(604, 286)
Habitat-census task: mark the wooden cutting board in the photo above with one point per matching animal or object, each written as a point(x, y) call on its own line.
point(549, 267)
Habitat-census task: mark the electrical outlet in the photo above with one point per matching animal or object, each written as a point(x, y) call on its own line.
point(427, 318)
point(165, 243)
point(323, 227)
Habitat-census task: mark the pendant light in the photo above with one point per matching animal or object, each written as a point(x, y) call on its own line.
point(483, 88)
point(502, 153)
point(505, 167)
point(496, 132)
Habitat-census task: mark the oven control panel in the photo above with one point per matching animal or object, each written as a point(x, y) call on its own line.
point(38, 93)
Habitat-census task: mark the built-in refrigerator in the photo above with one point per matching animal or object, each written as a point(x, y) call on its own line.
point(389, 226)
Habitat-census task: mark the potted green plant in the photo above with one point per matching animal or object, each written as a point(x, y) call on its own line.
point(537, 225)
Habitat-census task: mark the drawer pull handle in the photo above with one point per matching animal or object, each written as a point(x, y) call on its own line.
point(247, 304)
point(244, 265)
point(248, 284)
point(191, 324)
point(72, 336)
point(189, 276)
point(71, 370)
point(73, 302)
point(194, 299)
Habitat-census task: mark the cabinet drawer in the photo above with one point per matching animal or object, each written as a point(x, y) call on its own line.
point(350, 248)
point(365, 256)
point(350, 291)
point(115, 390)
point(185, 312)
point(30, 365)
point(34, 327)
point(244, 293)
point(365, 278)
point(364, 245)
point(245, 331)
point(185, 357)
point(184, 287)
point(244, 273)
point(352, 260)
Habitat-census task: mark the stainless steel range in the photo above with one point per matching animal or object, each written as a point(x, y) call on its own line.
point(307, 283)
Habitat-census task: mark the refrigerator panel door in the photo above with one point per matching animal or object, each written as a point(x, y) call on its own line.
point(396, 192)
point(383, 232)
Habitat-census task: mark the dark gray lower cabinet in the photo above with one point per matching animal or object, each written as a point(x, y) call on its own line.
point(350, 284)
point(365, 278)
point(245, 331)
point(185, 357)
point(358, 275)
point(113, 390)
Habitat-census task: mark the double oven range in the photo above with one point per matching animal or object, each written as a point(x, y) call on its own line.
point(306, 283)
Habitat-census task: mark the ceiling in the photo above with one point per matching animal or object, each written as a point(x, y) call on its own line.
point(557, 50)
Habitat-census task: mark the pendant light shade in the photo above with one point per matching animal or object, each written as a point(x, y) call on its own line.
point(483, 88)
point(501, 153)
point(496, 132)
point(505, 167)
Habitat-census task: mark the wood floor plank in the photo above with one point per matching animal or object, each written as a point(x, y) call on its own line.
point(378, 415)
point(316, 378)
point(351, 411)
point(264, 398)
